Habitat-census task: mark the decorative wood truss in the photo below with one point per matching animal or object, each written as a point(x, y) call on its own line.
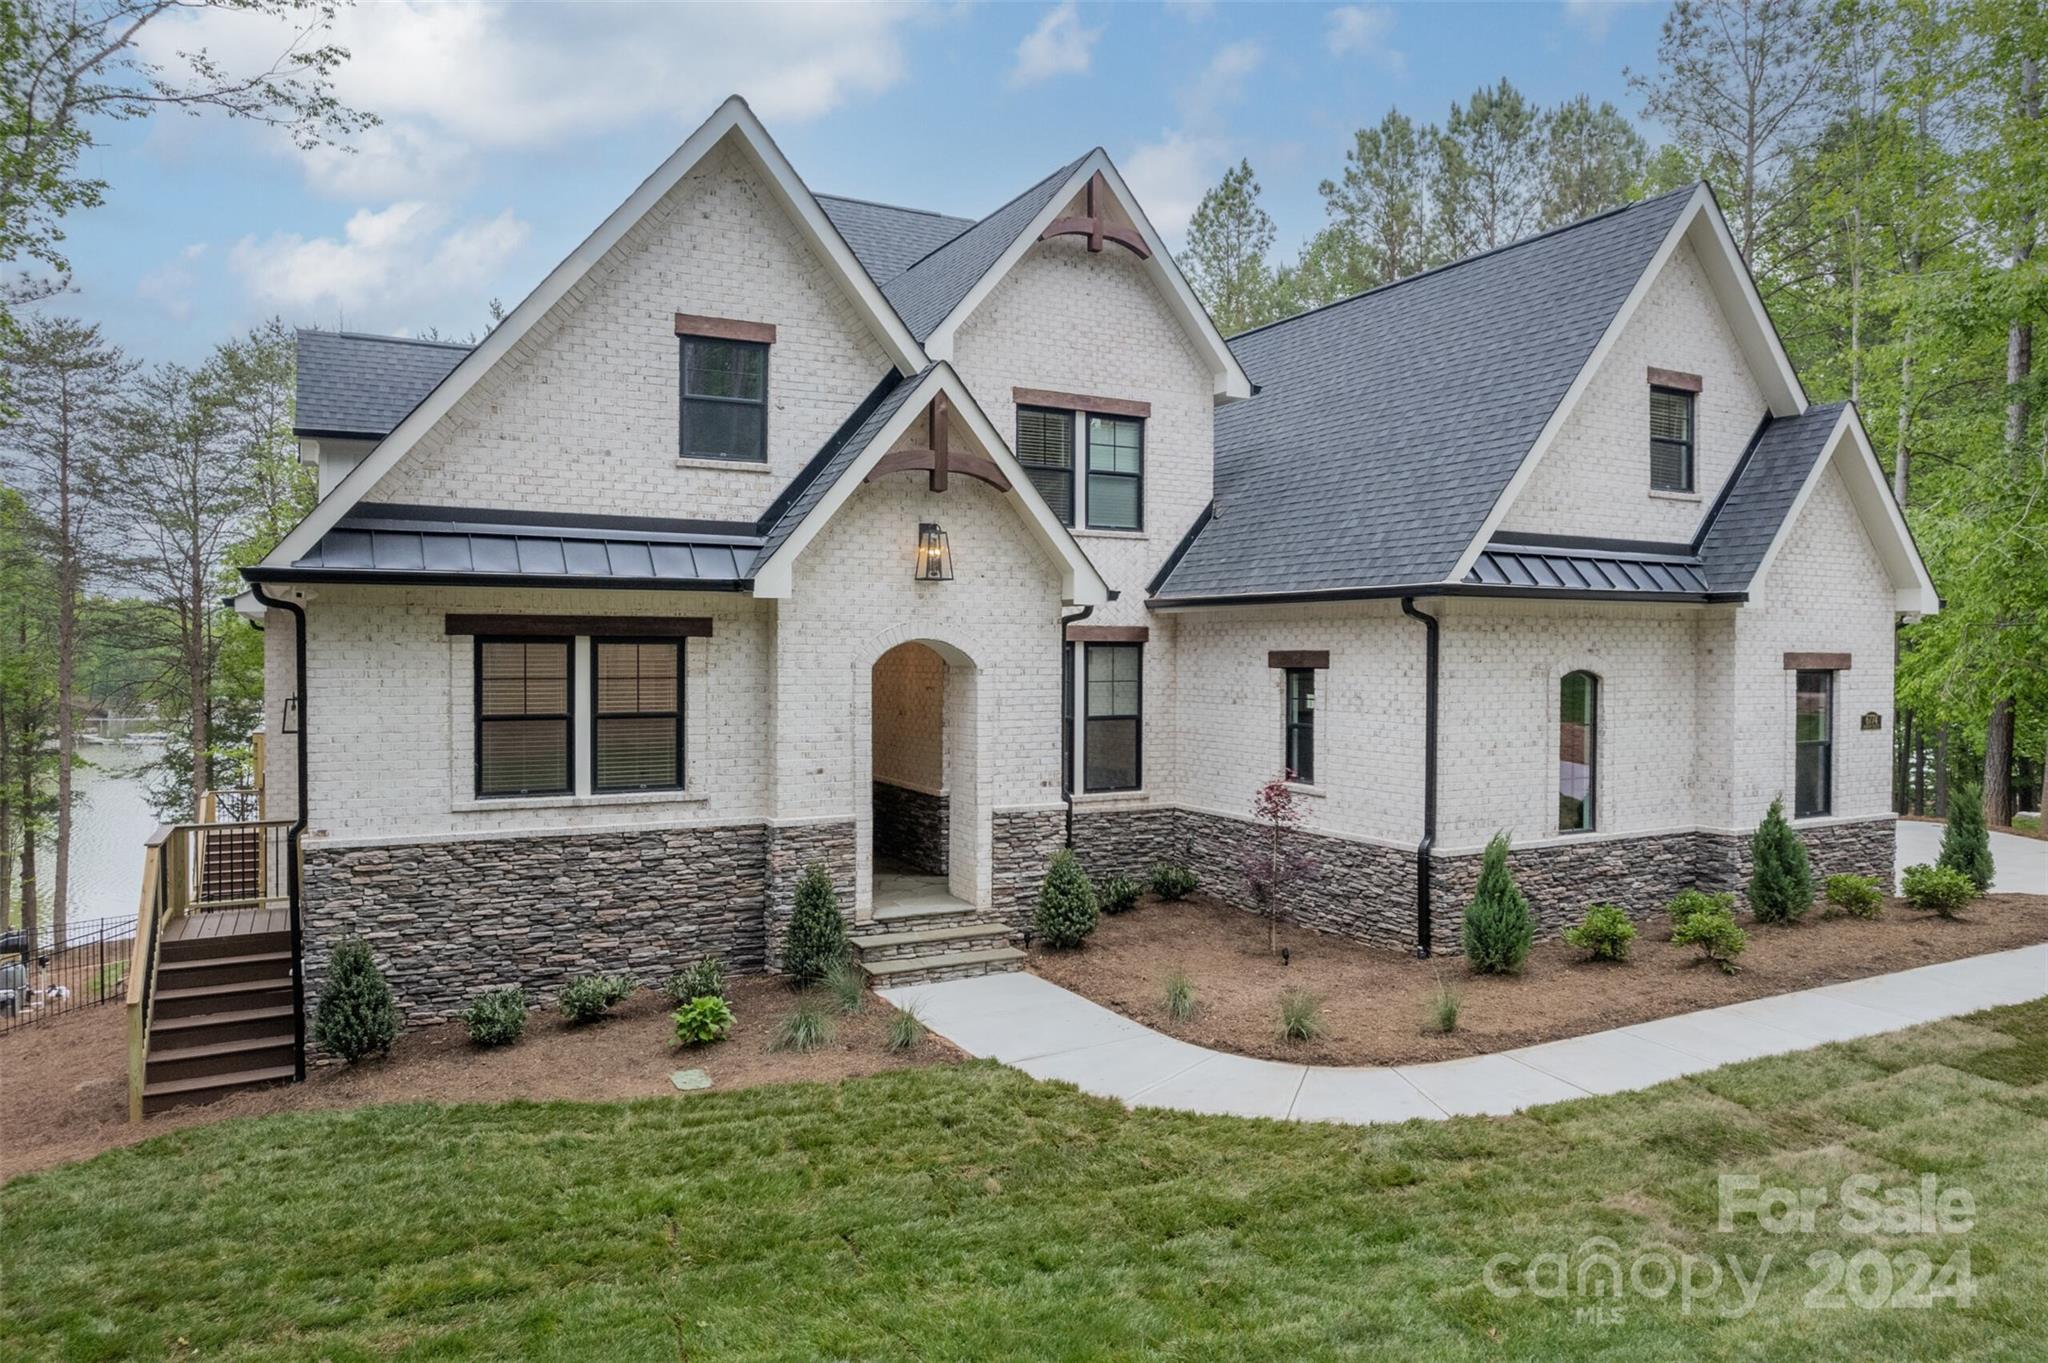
point(940, 459)
point(1095, 226)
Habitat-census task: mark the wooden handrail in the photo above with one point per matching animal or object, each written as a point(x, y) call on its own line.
point(142, 965)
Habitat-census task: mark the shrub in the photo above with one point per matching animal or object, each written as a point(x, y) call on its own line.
point(496, 1017)
point(356, 1016)
point(1857, 896)
point(1966, 846)
point(1605, 932)
point(1301, 1014)
point(1180, 996)
point(1937, 889)
point(906, 1029)
point(1686, 903)
point(1780, 881)
point(704, 980)
point(817, 932)
point(1714, 932)
point(1066, 903)
point(590, 997)
point(1443, 1009)
point(847, 985)
point(704, 1018)
point(1498, 927)
point(805, 1029)
point(1119, 894)
point(1171, 881)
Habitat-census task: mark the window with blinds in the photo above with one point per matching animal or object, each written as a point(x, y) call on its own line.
point(1671, 440)
point(1045, 447)
point(637, 717)
point(1116, 469)
point(523, 707)
point(725, 399)
point(1114, 709)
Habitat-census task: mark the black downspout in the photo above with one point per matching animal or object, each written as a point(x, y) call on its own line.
point(298, 614)
point(1428, 843)
point(1067, 718)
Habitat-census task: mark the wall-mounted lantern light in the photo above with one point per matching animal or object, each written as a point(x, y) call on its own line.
point(934, 555)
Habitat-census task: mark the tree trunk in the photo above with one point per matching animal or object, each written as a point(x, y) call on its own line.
point(1998, 764)
point(67, 669)
point(29, 904)
point(6, 830)
point(2041, 809)
point(1940, 772)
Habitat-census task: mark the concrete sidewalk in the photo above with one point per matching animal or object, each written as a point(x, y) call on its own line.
point(1051, 1033)
point(2019, 865)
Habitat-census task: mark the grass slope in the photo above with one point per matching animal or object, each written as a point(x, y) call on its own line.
point(969, 1213)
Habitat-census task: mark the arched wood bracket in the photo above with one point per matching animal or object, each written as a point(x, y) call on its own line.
point(940, 459)
point(1095, 227)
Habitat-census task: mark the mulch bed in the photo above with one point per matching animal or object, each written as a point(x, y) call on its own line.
point(64, 1084)
point(1377, 1003)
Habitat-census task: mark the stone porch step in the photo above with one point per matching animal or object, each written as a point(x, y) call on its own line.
point(910, 915)
point(953, 965)
point(921, 935)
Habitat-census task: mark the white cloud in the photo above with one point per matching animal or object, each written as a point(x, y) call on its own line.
point(1193, 11)
point(1591, 17)
point(1170, 176)
point(1362, 31)
point(171, 286)
point(1222, 81)
point(390, 268)
point(1059, 46)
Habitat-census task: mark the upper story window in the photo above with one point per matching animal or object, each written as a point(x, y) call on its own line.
point(524, 699)
point(1813, 738)
point(1116, 473)
point(1671, 439)
point(1578, 714)
point(725, 399)
point(1045, 447)
point(636, 736)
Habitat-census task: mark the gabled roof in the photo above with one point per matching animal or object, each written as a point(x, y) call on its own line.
point(889, 239)
point(359, 387)
point(847, 444)
point(926, 293)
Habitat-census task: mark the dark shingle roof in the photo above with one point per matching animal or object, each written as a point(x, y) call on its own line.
point(1387, 425)
point(355, 385)
point(832, 460)
point(926, 293)
point(1759, 496)
point(888, 240)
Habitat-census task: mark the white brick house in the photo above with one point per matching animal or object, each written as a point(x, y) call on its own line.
point(604, 629)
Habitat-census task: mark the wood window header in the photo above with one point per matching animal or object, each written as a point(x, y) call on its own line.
point(1816, 662)
point(1080, 402)
point(1299, 657)
point(1108, 634)
point(724, 329)
point(594, 626)
point(1676, 378)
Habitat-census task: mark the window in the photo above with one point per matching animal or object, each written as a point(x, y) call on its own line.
point(1578, 715)
point(1110, 748)
point(1814, 740)
point(1045, 447)
point(636, 737)
point(725, 399)
point(1301, 724)
point(1671, 440)
point(1116, 483)
point(523, 704)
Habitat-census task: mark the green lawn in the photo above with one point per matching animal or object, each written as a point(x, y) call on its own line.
point(970, 1213)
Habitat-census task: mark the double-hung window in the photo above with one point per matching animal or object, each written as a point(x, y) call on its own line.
point(1089, 466)
point(636, 736)
point(1301, 725)
point(524, 700)
point(1111, 739)
point(1671, 439)
point(1116, 473)
point(1045, 447)
point(1814, 744)
point(1578, 738)
point(724, 399)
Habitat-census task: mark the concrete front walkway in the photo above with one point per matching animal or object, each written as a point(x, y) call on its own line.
point(1050, 1033)
point(2019, 865)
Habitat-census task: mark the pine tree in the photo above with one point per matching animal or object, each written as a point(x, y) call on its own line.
point(1498, 926)
point(1780, 881)
point(356, 1016)
point(1966, 846)
point(817, 930)
point(1067, 911)
point(1225, 255)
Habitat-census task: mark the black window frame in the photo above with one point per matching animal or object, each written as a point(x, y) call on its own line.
point(1087, 457)
point(597, 786)
point(1075, 454)
point(1589, 803)
point(1825, 744)
point(1689, 447)
point(684, 398)
point(567, 718)
point(1298, 725)
point(1089, 720)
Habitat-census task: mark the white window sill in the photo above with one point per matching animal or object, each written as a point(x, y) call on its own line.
point(1084, 534)
point(1308, 792)
point(1108, 797)
point(725, 465)
point(634, 797)
point(1663, 496)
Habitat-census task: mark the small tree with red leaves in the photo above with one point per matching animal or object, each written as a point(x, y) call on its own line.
point(1271, 864)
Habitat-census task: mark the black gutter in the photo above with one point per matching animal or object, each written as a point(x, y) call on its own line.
point(1442, 589)
point(1424, 848)
point(1067, 717)
point(374, 578)
point(294, 833)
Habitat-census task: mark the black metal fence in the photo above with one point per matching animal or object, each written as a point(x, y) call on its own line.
point(39, 981)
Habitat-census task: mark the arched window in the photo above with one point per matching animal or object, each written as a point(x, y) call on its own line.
point(1578, 714)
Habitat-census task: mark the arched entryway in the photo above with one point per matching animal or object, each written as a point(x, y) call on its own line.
point(923, 819)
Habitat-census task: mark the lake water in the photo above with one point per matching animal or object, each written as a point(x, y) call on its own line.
point(109, 824)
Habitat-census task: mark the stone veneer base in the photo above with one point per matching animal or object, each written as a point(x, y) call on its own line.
point(913, 827)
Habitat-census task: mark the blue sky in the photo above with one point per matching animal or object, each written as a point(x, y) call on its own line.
point(511, 130)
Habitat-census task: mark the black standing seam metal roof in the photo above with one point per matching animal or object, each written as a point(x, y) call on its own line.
point(886, 239)
point(1580, 571)
point(361, 387)
point(1387, 425)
